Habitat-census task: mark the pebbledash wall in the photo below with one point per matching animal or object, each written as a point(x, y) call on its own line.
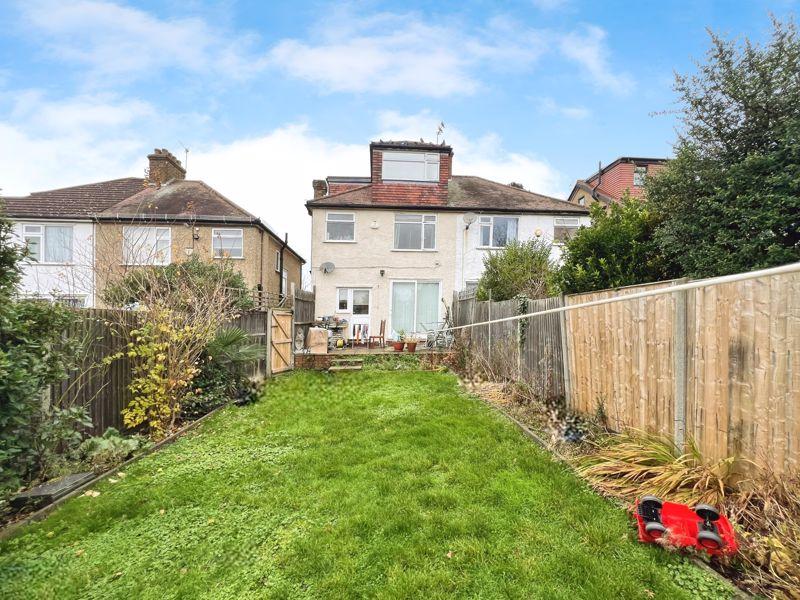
point(358, 264)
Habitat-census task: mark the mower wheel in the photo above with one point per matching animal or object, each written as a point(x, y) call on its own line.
point(710, 540)
point(706, 512)
point(655, 529)
point(651, 500)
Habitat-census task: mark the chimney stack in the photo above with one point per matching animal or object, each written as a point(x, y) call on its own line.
point(164, 167)
point(320, 188)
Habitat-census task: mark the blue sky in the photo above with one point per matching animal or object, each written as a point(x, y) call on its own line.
point(268, 95)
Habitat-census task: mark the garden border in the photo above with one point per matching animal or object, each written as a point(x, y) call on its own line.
point(43, 512)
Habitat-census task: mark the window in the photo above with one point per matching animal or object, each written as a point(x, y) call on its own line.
point(146, 245)
point(582, 201)
point(639, 175)
point(278, 261)
point(471, 286)
point(410, 166)
point(415, 305)
point(414, 232)
point(353, 300)
point(564, 229)
point(227, 243)
point(497, 232)
point(48, 243)
point(340, 227)
point(285, 282)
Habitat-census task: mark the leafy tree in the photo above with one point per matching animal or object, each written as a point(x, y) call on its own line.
point(617, 250)
point(521, 268)
point(730, 201)
point(33, 354)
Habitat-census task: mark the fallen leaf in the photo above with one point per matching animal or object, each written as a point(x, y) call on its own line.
point(450, 554)
point(91, 493)
point(112, 480)
point(184, 570)
point(79, 552)
point(121, 474)
point(117, 575)
point(51, 533)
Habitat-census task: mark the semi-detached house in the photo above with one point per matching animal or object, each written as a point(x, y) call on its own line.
point(78, 237)
point(395, 245)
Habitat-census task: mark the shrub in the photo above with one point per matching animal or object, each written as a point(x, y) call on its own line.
point(521, 268)
point(617, 250)
point(111, 448)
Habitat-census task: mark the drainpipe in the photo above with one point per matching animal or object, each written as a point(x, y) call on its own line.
point(599, 179)
point(280, 278)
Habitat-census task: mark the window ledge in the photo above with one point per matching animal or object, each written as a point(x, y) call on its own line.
point(414, 250)
point(339, 242)
point(229, 258)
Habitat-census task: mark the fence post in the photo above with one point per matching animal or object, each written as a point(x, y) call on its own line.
point(679, 358)
point(490, 327)
point(562, 325)
point(268, 332)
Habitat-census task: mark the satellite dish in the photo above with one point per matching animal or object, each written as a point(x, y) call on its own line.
point(470, 218)
point(327, 267)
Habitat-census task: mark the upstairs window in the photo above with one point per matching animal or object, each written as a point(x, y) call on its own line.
point(278, 261)
point(564, 228)
point(146, 245)
point(340, 227)
point(497, 232)
point(414, 232)
point(639, 175)
point(410, 166)
point(582, 201)
point(227, 243)
point(48, 243)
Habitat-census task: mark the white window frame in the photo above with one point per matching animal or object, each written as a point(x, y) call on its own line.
point(38, 230)
point(425, 219)
point(349, 299)
point(285, 281)
point(168, 256)
point(640, 173)
point(328, 220)
point(428, 164)
point(416, 283)
point(277, 261)
point(582, 201)
point(571, 222)
point(215, 235)
point(488, 220)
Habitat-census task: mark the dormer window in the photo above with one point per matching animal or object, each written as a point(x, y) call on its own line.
point(639, 175)
point(410, 166)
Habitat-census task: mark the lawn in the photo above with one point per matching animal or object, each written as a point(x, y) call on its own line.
point(372, 484)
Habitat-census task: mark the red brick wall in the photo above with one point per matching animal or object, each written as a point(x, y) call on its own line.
point(338, 188)
point(431, 194)
point(315, 362)
point(620, 178)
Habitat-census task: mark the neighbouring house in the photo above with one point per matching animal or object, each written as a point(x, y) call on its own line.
point(396, 244)
point(609, 183)
point(80, 236)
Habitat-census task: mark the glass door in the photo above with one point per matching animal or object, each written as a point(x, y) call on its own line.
point(415, 306)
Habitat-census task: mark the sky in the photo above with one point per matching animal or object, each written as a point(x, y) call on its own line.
point(267, 96)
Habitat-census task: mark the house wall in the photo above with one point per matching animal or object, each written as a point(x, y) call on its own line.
point(75, 279)
point(358, 264)
point(617, 180)
point(257, 264)
point(469, 256)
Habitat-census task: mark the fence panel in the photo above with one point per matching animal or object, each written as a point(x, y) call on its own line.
point(304, 309)
point(255, 324)
point(542, 357)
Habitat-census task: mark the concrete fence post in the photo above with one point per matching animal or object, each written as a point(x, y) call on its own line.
point(680, 367)
point(562, 325)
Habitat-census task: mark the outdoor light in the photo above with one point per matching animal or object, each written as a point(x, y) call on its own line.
point(383, 272)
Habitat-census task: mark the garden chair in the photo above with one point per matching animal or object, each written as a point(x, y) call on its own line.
point(381, 337)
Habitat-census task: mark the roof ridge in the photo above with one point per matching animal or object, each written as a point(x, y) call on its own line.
point(72, 187)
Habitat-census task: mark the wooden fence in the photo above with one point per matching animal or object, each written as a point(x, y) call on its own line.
point(103, 389)
point(718, 364)
point(304, 308)
point(530, 349)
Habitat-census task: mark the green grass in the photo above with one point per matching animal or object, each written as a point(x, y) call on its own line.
point(371, 484)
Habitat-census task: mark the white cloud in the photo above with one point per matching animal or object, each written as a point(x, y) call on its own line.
point(404, 53)
point(548, 106)
point(114, 40)
point(588, 49)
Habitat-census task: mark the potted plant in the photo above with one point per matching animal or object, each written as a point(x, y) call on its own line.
point(400, 341)
point(411, 342)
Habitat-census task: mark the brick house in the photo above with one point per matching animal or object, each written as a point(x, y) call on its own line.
point(609, 183)
point(395, 245)
point(82, 235)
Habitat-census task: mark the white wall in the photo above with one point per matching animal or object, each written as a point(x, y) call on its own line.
point(359, 264)
point(469, 256)
point(75, 279)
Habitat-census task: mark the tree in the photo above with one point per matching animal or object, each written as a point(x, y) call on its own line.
point(616, 250)
point(730, 201)
point(521, 268)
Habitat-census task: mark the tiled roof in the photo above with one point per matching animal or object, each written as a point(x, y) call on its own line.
point(463, 193)
point(178, 199)
point(594, 192)
point(79, 201)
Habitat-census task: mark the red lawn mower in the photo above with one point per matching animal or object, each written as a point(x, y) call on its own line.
point(701, 527)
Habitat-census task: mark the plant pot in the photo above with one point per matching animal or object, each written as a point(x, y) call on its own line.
point(398, 346)
point(411, 346)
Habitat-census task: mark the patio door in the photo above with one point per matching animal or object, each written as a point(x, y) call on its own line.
point(415, 306)
point(357, 302)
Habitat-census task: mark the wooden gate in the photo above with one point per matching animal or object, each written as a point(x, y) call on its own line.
point(280, 341)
